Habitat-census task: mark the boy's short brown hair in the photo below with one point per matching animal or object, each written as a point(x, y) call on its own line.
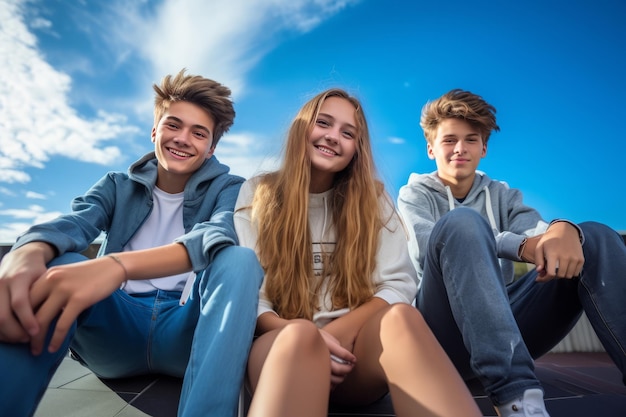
point(211, 96)
point(462, 105)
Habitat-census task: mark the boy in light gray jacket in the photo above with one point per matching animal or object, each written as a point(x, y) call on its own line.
point(465, 232)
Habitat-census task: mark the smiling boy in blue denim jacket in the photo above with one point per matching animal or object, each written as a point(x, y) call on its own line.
point(139, 308)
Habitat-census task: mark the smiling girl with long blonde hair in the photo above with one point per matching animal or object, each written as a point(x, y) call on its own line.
point(335, 321)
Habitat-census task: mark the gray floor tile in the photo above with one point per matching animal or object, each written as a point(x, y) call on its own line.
point(89, 382)
point(59, 402)
point(76, 392)
point(69, 371)
point(131, 412)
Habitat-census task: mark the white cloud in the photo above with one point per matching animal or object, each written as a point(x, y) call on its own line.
point(39, 23)
point(22, 219)
point(35, 196)
point(36, 117)
point(246, 154)
point(223, 38)
point(13, 176)
point(30, 213)
point(10, 231)
point(6, 191)
point(396, 140)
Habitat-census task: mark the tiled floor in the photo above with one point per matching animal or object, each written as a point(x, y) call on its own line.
point(576, 385)
point(76, 392)
point(582, 385)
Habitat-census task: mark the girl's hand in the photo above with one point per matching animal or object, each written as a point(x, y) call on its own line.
point(341, 359)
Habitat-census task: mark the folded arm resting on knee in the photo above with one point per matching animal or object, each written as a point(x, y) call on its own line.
point(557, 253)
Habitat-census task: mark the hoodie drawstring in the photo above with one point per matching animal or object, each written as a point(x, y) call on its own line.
point(489, 209)
point(450, 198)
point(325, 218)
point(191, 278)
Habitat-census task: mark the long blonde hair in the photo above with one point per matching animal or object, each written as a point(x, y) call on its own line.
point(280, 211)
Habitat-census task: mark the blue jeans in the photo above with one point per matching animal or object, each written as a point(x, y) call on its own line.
point(493, 331)
point(206, 341)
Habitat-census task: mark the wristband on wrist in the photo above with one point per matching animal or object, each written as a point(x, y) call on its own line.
point(119, 262)
point(521, 248)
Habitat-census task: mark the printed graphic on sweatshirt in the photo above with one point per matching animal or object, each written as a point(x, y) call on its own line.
point(321, 253)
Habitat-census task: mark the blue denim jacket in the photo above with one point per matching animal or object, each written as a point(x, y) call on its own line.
point(119, 203)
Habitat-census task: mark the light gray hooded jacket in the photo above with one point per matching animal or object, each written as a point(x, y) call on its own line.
point(425, 199)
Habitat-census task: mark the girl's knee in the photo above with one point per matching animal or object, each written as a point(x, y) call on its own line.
point(298, 343)
point(403, 312)
point(302, 336)
point(401, 318)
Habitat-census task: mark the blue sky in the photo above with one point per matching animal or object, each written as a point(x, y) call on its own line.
point(76, 96)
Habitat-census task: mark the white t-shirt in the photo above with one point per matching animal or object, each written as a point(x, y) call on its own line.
point(164, 224)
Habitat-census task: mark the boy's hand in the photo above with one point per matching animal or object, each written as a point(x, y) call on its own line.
point(343, 361)
point(66, 291)
point(18, 270)
point(557, 253)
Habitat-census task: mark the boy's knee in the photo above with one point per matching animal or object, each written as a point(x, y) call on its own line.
point(593, 230)
point(462, 215)
point(236, 254)
point(249, 264)
point(463, 222)
point(238, 265)
point(598, 235)
point(237, 257)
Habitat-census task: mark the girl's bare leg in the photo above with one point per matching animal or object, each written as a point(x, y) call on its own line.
point(396, 349)
point(289, 372)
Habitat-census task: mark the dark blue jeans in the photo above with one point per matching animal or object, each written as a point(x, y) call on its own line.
point(493, 331)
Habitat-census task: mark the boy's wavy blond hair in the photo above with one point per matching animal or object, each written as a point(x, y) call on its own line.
point(280, 209)
point(211, 96)
point(462, 105)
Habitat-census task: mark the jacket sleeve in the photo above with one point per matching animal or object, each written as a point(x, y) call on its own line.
point(418, 212)
point(247, 234)
point(394, 276)
point(206, 238)
point(74, 232)
point(520, 221)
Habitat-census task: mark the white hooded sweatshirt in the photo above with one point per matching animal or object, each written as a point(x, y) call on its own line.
point(394, 277)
